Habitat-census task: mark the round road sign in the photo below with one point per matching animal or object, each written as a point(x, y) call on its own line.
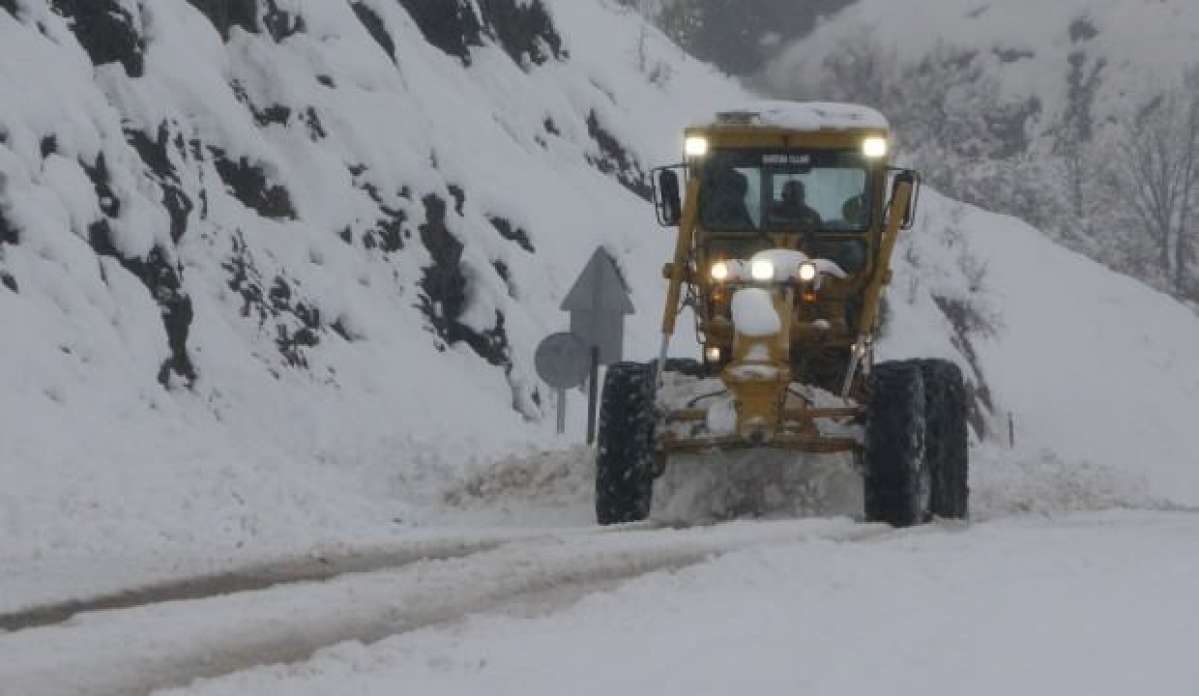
point(562, 360)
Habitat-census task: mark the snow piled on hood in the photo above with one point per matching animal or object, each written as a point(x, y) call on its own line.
point(800, 116)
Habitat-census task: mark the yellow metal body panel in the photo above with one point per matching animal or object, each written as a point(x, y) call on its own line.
point(818, 331)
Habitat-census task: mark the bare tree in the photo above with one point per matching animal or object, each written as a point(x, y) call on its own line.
point(861, 71)
point(1075, 131)
point(1157, 177)
point(1188, 237)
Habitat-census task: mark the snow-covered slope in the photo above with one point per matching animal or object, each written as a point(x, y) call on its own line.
point(1114, 52)
point(1094, 368)
point(273, 277)
point(265, 272)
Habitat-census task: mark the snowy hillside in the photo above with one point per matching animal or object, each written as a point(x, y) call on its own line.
point(1130, 47)
point(1096, 370)
point(266, 272)
point(272, 278)
point(1056, 120)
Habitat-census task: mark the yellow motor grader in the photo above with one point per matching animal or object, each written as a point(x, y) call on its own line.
point(787, 217)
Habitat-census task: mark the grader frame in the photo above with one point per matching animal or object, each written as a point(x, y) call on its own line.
point(764, 419)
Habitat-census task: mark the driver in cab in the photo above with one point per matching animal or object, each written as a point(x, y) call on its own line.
point(792, 209)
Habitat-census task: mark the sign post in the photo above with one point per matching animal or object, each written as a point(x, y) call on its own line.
point(561, 360)
point(561, 411)
point(598, 303)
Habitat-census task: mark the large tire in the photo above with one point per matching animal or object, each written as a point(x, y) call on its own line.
point(946, 438)
point(625, 459)
point(898, 479)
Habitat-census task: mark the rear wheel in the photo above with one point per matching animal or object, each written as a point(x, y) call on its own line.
point(946, 437)
point(898, 478)
point(625, 460)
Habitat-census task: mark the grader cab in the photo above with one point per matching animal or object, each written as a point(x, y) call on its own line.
point(787, 217)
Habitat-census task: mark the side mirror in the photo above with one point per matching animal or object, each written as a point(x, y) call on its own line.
point(667, 198)
point(912, 178)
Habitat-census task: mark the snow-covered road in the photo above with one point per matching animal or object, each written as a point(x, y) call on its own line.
point(1091, 603)
point(136, 649)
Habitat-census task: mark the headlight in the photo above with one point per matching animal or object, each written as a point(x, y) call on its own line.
point(762, 270)
point(720, 271)
point(808, 271)
point(695, 146)
point(874, 148)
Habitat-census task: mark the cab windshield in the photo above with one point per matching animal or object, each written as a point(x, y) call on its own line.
point(793, 190)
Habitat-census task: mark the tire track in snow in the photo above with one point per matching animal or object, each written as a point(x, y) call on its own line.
point(261, 576)
point(314, 567)
point(142, 649)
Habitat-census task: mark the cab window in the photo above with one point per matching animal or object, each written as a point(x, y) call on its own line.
point(756, 190)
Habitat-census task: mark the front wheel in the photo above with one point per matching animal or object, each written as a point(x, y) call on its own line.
point(946, 439)
point(624, 463)
point(897, 476)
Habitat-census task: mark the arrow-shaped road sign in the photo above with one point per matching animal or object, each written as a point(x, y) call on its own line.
point(598, 304)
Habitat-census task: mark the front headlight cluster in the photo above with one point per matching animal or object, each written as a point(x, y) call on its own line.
point(759, 271)
point(695, 146)
point(762, 270)
point(875, 147)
